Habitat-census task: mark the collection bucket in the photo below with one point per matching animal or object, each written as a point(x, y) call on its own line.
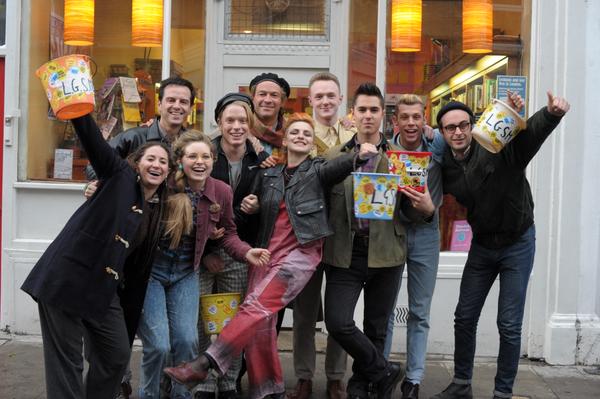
point(218, 310)
point(375, 195)
point(497, 126)
point(411, 166)
point(68, 84)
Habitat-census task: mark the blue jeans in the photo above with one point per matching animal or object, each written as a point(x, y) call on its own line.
point(422, 258)
point(168, 322)
point(513, 264)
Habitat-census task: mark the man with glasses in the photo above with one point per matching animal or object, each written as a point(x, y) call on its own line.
point(496, 193)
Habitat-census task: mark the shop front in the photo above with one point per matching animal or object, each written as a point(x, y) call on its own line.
point(438, 49)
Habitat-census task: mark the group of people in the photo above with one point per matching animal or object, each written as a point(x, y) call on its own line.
point(265, 208)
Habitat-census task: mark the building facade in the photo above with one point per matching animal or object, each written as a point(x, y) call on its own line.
point(221, 44)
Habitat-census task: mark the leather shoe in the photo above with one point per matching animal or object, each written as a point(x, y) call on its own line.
point(387, 384)
point(455, 391)
point(303, 390)
point(336, 389)
point(189, 374)
point(409, 390)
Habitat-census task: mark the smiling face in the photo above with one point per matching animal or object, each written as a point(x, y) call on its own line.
point(267, 99)
point(234, 125)
point(458, 140)
point(410, 121)
point(153, 167)
point(325, 99)
point(175, 105)
point(197, 162)
point(299, 138)
point(368, 114)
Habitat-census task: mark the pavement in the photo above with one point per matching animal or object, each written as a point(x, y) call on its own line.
point(22, 373)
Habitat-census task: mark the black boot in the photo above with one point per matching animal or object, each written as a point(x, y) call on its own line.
point(455, 391)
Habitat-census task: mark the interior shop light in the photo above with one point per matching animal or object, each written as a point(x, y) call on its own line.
point(477, 26)
point(146, 23)
point(79, 22)
point(406, 25)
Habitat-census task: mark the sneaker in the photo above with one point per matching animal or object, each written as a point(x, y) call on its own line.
point(409, 390)
point(456, 391)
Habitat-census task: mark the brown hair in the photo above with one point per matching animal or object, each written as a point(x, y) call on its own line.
point(409, 99)
point(249, 113)
point(324, 76)
point(179, 216)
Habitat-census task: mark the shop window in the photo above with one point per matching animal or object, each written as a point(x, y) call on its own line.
point(50, 140)
point(2, 22)
point(362, 46)
point(286, 20)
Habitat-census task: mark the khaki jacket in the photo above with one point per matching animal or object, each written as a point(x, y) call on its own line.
point(387, 238)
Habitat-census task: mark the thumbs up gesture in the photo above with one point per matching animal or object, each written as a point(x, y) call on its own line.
point(557, 105)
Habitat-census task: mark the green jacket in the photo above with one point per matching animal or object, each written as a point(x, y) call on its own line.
point(387, 238)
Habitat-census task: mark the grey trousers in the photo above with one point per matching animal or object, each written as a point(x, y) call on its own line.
point(306, 312)
point(107, 348)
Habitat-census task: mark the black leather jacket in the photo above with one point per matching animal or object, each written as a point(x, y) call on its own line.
point(305, 197)
point(128, 141)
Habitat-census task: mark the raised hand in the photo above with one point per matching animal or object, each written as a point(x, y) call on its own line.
point(367, 151)
point(557, 105)
point(515, 101)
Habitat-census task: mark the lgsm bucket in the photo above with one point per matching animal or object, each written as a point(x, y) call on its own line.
point(218, 310)
point(375, 195)
point(497, 126)
point(411, 166)
point(67, 82)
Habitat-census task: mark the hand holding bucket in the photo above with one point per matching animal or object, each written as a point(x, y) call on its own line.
point(68, 84)
point(497, 126)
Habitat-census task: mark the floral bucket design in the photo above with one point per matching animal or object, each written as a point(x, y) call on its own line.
point(68, 84)
point(497, 126)
point(218, 309)
point(375, 195)
point(411, 166)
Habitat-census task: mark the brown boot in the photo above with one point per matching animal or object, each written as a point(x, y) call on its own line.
point(336, 389)
point(303, 390)
point(189, 374)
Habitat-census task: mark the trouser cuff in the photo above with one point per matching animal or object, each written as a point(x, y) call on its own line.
point(460, 381)
point(502, 394)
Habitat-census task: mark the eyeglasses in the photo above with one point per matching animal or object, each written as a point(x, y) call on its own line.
point(463, 126)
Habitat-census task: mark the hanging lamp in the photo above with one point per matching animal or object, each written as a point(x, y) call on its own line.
point(146, 23)
point(406, 25)
point(478, 23)
point(79, 23)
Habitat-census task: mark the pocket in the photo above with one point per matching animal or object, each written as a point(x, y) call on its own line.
point(310, 206)
point(85, 249)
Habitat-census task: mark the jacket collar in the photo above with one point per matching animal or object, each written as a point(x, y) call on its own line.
point(210, 190)
point(351, 144)
point(249, 147)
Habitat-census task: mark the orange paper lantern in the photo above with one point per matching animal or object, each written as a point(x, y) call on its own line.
point(478, 23)
point(146, 23)
point(79, 22)
point(406, 25)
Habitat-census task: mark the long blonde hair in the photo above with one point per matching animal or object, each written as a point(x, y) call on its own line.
point(179, 216)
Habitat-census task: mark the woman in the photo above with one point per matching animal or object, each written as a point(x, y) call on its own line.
point(90, 282)
point(293, 223)
point(199, 205)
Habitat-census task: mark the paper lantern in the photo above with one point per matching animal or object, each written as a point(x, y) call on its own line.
point(146, 23)
point(79, 22)
point(478, 23)
point(406, 25)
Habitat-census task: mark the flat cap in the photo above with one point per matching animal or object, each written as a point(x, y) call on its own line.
point(273, 77)
point(230, 98)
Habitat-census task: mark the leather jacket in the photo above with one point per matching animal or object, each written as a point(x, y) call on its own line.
point(305, 197)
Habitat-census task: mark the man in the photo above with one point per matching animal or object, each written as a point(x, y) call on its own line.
point(364, 255)
point(237, 164)
point(175, 99)
point(423, 247)
point(496, 193)
point(325, 98)
point(269, 93)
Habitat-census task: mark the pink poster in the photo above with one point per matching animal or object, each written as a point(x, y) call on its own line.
point(461, 236)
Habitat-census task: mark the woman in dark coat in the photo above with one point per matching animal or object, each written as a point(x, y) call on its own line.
point(293, 223)
point(91, 280)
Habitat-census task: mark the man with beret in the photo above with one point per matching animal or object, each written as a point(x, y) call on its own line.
point(325, 99)
point(237, 164)
point(496, 193)
point(269, 93)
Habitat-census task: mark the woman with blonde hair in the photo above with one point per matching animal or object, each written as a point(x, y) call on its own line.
point(197, 206)
point(293, 223)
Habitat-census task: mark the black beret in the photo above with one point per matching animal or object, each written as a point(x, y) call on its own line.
point(452, 105)
point(273, 77)
point(232, 97)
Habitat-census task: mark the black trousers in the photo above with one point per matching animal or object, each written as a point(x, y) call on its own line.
point(342, 291)
point(107, 349)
